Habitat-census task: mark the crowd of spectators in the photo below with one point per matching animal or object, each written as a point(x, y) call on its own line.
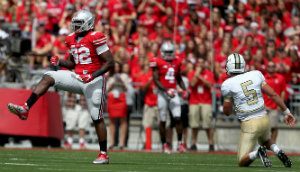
point(260, 30)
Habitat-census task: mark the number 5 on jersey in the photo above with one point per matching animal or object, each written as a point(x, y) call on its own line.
point(249, 92)
point(81, 55)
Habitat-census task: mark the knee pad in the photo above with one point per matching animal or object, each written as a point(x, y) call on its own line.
point(97, 97)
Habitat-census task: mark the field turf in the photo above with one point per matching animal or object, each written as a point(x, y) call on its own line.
point(59, 160)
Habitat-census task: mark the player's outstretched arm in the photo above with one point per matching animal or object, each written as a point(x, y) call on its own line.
point(108, 59)
point(289, 118)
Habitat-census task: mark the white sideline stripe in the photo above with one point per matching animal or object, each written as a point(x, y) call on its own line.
point(7, 163)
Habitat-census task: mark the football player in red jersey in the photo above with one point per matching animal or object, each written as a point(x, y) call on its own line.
point(166, 75)
point(91, 59)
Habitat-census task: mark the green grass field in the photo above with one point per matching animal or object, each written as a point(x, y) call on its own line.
point(34, 160)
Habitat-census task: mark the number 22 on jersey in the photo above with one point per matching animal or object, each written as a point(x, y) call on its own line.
point(170, 75)
point(81, 55)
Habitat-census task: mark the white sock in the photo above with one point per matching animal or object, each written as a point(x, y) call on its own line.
point(253, 155)
point(70, 140)
point(103, 152)
point(274, 148)
point(81, 140)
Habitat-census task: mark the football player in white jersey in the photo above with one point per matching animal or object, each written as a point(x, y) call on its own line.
point(243, 92)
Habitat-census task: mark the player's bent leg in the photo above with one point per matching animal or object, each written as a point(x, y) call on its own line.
point(43, 86)
point(270, 144)
point(284, 159)
point(245, 161)
point(246, 144)
point(264, 157)
point(22, 110)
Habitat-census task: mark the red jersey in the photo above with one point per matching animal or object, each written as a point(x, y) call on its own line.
point(200, 93)
point(84, 51)
point(277, 82)
point(151, 92)
point(167, 71)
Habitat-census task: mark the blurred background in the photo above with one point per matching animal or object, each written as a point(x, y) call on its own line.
point(31, 31)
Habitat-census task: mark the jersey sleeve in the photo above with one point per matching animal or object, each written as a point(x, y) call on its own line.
point(226, 92)
point(68, 40)
point(99, 42)
point(261, 78)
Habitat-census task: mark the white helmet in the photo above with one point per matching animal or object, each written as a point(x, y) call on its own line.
point(167, 51)
point(235, 64)
point(82, 21)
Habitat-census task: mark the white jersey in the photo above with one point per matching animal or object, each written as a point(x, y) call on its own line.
point(245, 91)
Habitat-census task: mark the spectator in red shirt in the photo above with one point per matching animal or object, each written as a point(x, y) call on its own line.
point(155, 4)
point(43, 16)
point(140, 32)
point(258, 38)
point(280, 38)
point(150, 112)
point(116, 103)
point(158, 35)
point(283, 64)
point(259, 62)
point(277, 82)
point(249, 44)
point(148, 19)
point(270, 49)
point(252, 7)
point(237, 39)
point(59, 47)
point(241, 13)
point(286, 15)
point(220, 59)
point(201, 82)
point(231, 20)
point(55, 10)
point(24, 16)
point(42, 48)
point(4, 11)
point(66, 18)
point(180, 5)
point(295, 68)
point(126, 15)
point(203, 12)
point(169, 15)
point(248, 59)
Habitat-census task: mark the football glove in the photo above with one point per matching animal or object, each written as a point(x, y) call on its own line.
point(185, 94)
point(54, 60)
point(171, 92)
point(85, 78)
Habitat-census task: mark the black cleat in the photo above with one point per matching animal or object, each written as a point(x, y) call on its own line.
point(264, 157)
point(284, 159)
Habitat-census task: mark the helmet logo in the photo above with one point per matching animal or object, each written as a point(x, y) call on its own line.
point(237, 61)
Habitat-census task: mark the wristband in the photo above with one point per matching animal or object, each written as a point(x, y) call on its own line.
point(287, 111)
